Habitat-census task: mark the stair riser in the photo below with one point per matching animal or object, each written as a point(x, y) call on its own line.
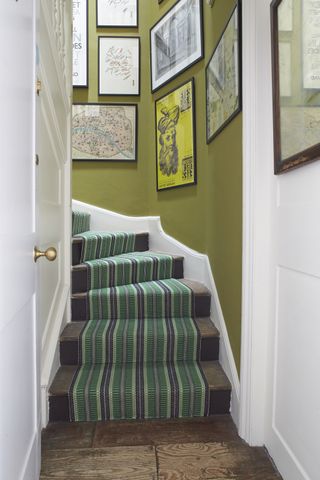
point(80, 282)
point(69, 351)
point(59, 405)
point(141, 245)
point(80, 307)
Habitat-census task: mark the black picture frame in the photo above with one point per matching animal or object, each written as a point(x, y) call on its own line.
point(187, 129)
point(86, 84)
point(197, 55)
point(122, 25)
point(307, 155)
point(120, 90)
point(235, 93)
point(95, 158)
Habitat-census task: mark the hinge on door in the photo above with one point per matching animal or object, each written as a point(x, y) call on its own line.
point(38, 86)
point(37, 159)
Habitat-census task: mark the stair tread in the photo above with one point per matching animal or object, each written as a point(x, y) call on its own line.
point(198, 288)
point(79, 239)
point(73, 330)
point(84, 266)
point(216, 378)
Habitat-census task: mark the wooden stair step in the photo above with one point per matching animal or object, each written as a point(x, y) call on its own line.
point(141, 245)
point(80, 274)
point(69, 341)
point(202, 297)
point(219, 386)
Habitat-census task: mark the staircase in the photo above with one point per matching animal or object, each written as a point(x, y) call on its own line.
point(141, 343)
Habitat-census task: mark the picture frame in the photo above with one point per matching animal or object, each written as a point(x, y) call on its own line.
point(296, 83)
point(120, 14)
point(176, 42)
point(223, 78)
point(119, 66)
point(80, 69)
point(176, 138)
point(105, 132)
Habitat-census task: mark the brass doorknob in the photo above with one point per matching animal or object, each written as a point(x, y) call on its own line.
point(50, 254)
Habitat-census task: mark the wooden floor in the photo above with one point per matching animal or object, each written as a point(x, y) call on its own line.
point(204, 449)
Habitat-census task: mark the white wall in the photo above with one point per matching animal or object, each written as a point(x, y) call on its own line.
point(280, 391)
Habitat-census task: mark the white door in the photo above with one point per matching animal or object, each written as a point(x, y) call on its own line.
point(53, 179)
point(19, 408)
point(21, 324)
point(281, 328)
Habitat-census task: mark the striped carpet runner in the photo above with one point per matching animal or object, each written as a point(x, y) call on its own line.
point(105, 244)
point(129, 268)
point(80, 222)
point(156, 299)
point(139, 350)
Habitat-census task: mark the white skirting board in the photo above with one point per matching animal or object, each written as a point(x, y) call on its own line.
point(196, 267)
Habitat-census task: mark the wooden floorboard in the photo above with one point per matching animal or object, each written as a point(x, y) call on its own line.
point(191, 449)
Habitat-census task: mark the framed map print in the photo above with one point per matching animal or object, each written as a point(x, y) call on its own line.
point(223, 78)
point(295, 27)
point(117, 13)
point(176, 42)
point(175, 138)
point(119, 65)
point(80, 43)
point(104, 132)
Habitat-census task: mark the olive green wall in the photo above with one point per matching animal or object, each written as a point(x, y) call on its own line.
point(207, 216)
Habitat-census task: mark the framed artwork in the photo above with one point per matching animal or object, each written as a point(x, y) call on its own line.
point(176, 138)
point(80, 43)
point(176, 42)
point(296, 83)
point(223, 78)
point(119, 65)
point(117, 13)
point(104, 132)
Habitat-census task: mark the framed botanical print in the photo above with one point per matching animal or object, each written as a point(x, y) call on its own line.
point(176, 42)
point(117, 13)
point(119, 65)
point(80, 43)
point(175, 138)
point(223, 78)
point(104, 132)
point(295, 27)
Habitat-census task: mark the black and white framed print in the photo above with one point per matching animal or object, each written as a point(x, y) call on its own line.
point(117, 13)
point(176, 42)
point(80, 43)
point(119, 66)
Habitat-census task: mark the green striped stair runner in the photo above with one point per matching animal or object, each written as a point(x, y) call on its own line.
point(155, 299)
point(105, 244)
point(138, 390)
point(128, 268)
point(139, 352)
point(80, 222)
point(139, 340)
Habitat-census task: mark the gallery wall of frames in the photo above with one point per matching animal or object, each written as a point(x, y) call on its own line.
point(108, 131)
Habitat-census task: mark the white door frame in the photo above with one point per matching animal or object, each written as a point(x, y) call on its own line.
point(258, 191)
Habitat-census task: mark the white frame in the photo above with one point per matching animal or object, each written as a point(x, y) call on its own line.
point(80, 44)
point(112, 83)
point(185, 62)
point(111, 16)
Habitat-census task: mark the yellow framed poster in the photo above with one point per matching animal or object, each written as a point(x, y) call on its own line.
point(175, 138)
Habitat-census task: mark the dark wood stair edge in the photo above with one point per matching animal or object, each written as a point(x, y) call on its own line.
point(141, 245)
point(69, 341)
point(79, 274)
point(202, 296)
point(219, 402)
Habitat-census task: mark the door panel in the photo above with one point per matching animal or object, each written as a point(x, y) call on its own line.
point(19, 407)
point(53, 189)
